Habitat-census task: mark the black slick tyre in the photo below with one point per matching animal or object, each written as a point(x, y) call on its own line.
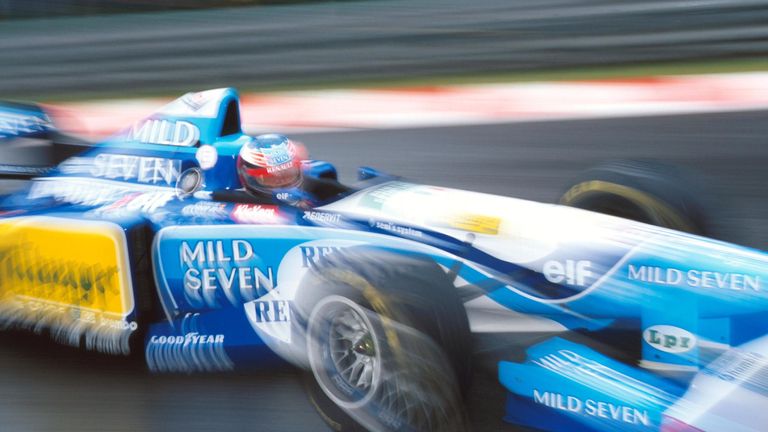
point(644, 191)
point(387, 340)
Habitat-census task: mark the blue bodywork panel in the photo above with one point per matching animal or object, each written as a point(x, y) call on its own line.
point(211, 274)
point(567, 386)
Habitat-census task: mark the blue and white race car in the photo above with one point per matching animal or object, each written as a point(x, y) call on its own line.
point(384, 291)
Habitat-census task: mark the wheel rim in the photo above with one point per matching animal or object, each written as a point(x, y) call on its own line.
point(348, 364)
point(343, 351)
point(352, 349)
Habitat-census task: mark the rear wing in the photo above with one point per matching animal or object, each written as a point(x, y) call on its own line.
point(30, 144)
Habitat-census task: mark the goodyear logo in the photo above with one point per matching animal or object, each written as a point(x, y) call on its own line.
point(480, 224)
point(67, 263)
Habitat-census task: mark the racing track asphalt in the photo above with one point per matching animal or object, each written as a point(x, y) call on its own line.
point(48, 388)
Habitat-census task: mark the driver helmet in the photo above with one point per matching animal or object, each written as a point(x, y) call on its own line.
point(269, 162)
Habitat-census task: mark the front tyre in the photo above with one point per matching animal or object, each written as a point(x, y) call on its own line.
point(386, 338)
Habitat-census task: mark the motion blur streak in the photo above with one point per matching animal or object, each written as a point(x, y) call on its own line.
point(45, 387)
point(524, 160)
point(340, 42)
point(397, 108)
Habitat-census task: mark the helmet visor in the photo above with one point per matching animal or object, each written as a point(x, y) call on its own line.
point(281, 176)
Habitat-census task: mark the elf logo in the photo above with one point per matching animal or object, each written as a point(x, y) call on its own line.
point(571, 272)
point(669, 339)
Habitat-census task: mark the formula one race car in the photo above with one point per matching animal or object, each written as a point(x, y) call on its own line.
point(389, 294)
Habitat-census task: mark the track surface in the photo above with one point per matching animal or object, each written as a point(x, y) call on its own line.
point(538, 160)
point(55, 389)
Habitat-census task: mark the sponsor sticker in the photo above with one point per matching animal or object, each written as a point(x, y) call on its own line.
point(141, 169)
point(274, 158)
point(592, 407)
point(272, 311)
point(669, 339)
point(571, 272)
point(140, 202)
point(165, 132)
point(206, 210)
point(148, 170)
point(219, 273)
point(395, 228)
point(270, 318)
point(12, 125)
point(577, 367)
point(475, 223)
point(694, 278)
point(188, 353)
point(73, 275)
point(256, 214)
point(311, 255)
point(322, 217)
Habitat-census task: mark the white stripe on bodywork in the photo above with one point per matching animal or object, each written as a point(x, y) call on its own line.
point(488, 316)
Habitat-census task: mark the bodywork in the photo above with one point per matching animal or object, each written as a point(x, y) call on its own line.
point(105, 251)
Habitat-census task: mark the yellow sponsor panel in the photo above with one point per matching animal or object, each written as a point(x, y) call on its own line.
point(79, 265)
point(480, 224)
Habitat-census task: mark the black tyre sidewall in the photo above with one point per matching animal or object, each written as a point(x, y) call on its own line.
point(652, 192)
point(411, 290)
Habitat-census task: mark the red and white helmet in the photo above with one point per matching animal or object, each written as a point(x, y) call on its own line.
point(269, 162)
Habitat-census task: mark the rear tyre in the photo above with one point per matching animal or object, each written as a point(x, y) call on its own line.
point(644, 191)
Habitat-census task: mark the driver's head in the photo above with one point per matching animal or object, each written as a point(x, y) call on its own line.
point(269, 162)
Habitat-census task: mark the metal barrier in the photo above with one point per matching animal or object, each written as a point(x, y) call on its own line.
point(338, 42)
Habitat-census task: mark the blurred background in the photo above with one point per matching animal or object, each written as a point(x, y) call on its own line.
point(83, 48)
point(108, 54)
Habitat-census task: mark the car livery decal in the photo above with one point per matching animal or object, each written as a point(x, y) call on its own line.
point(72, 275)
point(212, 267)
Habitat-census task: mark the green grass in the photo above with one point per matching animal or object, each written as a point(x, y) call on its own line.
point(584, 73)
